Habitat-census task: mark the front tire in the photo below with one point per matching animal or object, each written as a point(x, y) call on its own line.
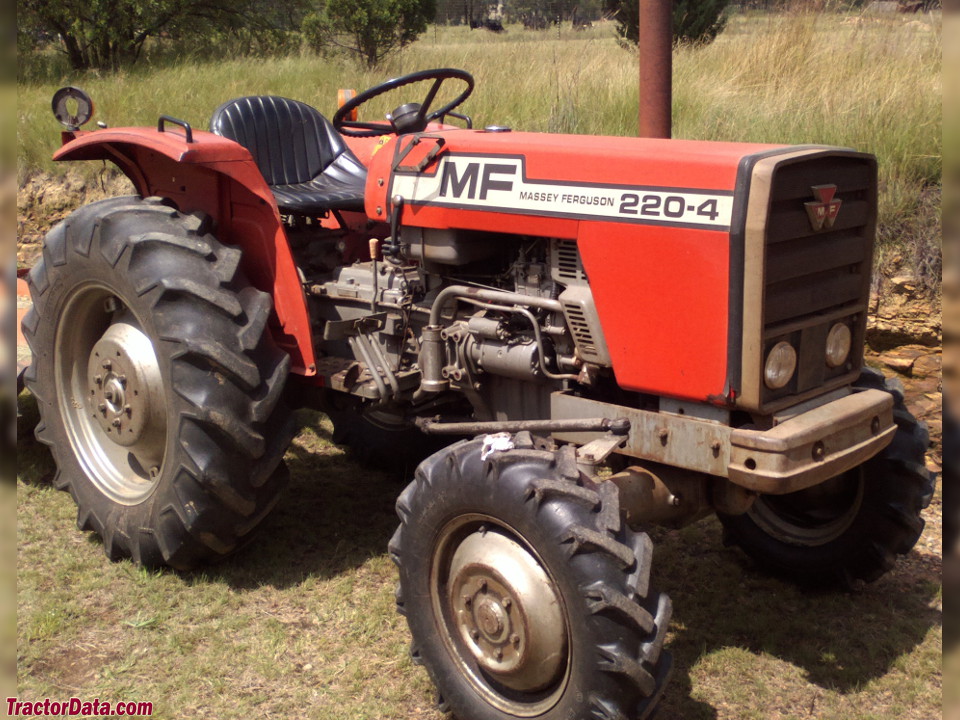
point(851, 527)
point(525, 594)
point(157, 381)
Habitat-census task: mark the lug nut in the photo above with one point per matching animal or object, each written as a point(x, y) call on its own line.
point(498, 654)
point(98, 379)
point(116, 422)
point(122, 379)
point(475, 634)
point(106, 364)
point(102, 407)
point(467, 600)
point(128, 410)
point(515, 639)
point(507, 602)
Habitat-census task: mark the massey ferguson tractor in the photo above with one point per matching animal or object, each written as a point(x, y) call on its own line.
point(587, 335)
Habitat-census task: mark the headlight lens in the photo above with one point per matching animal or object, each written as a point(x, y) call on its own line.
point(780, 366)
point(838, 345)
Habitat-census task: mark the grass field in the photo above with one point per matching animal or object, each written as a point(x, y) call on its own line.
point(301, 623)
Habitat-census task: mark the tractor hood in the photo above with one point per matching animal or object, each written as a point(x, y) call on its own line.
point(551, 182)
point(699, 254)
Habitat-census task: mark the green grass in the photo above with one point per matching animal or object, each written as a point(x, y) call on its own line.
point(302, 623)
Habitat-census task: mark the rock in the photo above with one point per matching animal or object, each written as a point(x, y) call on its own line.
point(899, 314)
point(912, 360)
point(903, 285)
point(928, 365)
point(900, 364)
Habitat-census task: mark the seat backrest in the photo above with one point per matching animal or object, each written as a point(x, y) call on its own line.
point(290, 141)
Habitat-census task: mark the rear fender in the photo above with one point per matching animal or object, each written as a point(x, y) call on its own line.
point(219, 177)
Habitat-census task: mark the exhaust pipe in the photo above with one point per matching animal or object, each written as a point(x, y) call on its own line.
point(655, 44)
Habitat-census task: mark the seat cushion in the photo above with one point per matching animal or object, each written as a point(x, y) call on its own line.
point(304, 160)
point(339, 187)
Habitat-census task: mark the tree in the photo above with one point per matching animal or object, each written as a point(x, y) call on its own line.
point(694, 21)
point(371, 29)
point(108, 34)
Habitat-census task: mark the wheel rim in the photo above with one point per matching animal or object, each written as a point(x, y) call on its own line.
point(501, 616)
point(811, 517)
point(110, 394)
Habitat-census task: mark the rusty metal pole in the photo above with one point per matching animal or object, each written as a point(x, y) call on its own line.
point(656, 67)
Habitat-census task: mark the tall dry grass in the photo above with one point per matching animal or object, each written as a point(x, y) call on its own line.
point(863, 82)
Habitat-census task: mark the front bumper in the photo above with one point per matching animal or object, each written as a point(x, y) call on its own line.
point(813, 446)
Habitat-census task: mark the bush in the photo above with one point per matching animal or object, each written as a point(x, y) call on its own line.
point(694, 21)
point(370, 29)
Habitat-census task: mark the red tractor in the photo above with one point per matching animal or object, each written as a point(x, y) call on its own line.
point(633, 332)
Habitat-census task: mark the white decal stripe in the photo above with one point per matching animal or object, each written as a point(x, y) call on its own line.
point(498, 183)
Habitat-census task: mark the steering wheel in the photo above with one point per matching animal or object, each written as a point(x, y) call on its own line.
point(410, 117)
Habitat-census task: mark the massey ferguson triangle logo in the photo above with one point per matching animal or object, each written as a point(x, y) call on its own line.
point(825, 209)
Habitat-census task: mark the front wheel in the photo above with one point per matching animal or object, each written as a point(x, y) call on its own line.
point(158, 383)
point(850, 527)
point(525, 595)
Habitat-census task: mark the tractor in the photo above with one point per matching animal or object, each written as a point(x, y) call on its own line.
point(565, 339)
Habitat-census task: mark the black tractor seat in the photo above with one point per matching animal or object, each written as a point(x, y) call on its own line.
point(304, 160)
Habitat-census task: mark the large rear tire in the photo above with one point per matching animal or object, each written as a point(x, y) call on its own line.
point(377, 438)
point(158, 383)
point(853, 526)
point(525, 594)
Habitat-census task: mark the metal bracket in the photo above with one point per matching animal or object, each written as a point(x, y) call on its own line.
point(424, 162)
point(596, 451)
point(342, 329)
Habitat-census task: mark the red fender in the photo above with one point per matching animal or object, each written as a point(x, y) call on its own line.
point(219, 177)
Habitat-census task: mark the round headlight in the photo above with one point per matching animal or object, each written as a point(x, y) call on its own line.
point(838, 345)
point(780, 366)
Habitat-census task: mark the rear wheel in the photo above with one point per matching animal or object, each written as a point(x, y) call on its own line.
point(157, 381)
point(850, 527)
point(524, 593)
point(378, 438)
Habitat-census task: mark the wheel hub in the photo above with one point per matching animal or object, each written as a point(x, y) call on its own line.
point(123, 380)
point(111, 394)
point(506, 611)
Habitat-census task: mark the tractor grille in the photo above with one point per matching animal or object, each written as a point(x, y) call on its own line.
point(566, 262)
point(579, 309)
point(580, 328)
point(812, 278)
